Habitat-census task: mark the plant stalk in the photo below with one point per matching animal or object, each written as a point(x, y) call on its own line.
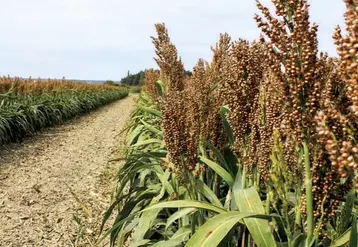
point(309, 197)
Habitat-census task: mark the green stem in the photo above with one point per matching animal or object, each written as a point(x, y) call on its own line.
point(298, 217)
point(215, 184)
point(309, 197)
point(243, 179)
point(267, 209)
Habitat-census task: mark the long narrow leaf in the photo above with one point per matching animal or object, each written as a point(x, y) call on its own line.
point(186, 204)
point(216, 229)
point(219, 170)
point(179, 214)
point(168, 243)
point(150, 110)
point(225, 110)
point(248, 201)
point(353, 240)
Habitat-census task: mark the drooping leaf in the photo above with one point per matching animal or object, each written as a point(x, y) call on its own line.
point(150, 110)
point(139, 243)
point(187, 204)
point(147, 142)
point(147, 219)
point(208, 193)
point(219, 156)
point(215, 229)
point(219, 170)
point(152, 128)
point(179, 214)
point(225, 110)
point(168, 243)
point(183, 233)
point(353, 240)
point(248, 201)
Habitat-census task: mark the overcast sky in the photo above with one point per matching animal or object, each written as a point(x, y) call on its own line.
point(103, 39)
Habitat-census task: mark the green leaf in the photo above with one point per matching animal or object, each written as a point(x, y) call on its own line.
point(146, 142)
point(353, 240)
point(219, 170)
point(147, 219)
point(128, 207)
point(126, 229)
point(223, 111)
point(218, 155)
point(179, 214)
point(183, 233)
point(160, 87)
point(299, 240)
point(186, 204)
point(208, 193)
point(152, 128)
point(115, 228)
point(168, 243)
point(282, 244)
point(342, 240)
point(150, 110)
point(163, 177)
point(215, 229)
point(133, 137)
point(140, 243)
point(248, 201)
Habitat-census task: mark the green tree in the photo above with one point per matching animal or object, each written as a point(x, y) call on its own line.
point(110, 82)
point(138, 78)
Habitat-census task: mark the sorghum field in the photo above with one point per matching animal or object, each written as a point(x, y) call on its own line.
point(55, 185)
point(27, 106)
point(257, 148)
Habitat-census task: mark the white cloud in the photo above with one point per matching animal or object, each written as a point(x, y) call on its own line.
point(100, 39)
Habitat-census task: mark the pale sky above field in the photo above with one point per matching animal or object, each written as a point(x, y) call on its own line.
point(103, 39)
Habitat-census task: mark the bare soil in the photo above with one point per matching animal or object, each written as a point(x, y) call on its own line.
point(55, 187)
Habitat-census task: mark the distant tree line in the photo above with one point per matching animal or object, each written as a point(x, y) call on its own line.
point(112, 83)
point(138, 78)
point(133, 79)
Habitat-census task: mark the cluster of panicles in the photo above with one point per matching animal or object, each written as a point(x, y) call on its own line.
point(171, 67)
point(174, 119)
point(330, 179)
point(196, 96)
point(151, 76)
point(38, 86)
point(334, 132)
point(184, 106)
point(173, 102)
point(254, 93)
point(304, 76)
point(213, 130)
point(347, 49)
point(190, 105)
point(266, 120)
point(243, 72)
point(203, 102)
point(282, 179)
point(334, 158)
point(330, 163)
point(278, 86)
point(337, 127)
point(292, 54)
point(314, 106)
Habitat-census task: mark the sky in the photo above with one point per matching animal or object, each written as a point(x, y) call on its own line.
point(104, 39)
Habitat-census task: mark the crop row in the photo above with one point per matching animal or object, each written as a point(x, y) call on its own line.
point(27, 106)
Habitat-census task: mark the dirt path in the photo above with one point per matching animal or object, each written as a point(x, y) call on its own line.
point(55, 187)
